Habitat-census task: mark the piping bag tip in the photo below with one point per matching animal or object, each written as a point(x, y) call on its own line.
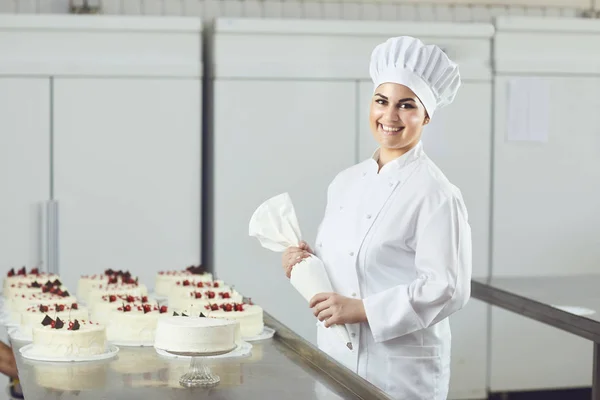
point(349, 345)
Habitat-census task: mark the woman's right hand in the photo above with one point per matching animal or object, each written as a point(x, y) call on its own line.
point(293, 255)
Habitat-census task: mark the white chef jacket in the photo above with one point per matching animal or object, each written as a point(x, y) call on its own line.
point(400, 240)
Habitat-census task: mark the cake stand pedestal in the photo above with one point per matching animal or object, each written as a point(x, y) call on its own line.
point(199, 374)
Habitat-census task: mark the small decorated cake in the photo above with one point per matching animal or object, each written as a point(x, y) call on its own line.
point(128, 287)
point(20, 303)
point(100, 310)
point(22, 277)
point(133, 323)
point(58, 338)
point(34, 315)
point(36, 286)
point(86, 282)
point(166, 279)
point(249, 316)
point(181, 288)
point(195, 334)
point(196, 300)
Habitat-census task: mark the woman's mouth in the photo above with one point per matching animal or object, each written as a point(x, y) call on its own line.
point(390, 130)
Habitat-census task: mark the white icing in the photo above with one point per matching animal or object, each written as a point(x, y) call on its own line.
point(250, 319)
point(90, 339)
point(195, 335)
point(165, 280)
point(132, 326)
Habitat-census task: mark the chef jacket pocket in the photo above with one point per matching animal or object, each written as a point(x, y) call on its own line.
point(413, 373)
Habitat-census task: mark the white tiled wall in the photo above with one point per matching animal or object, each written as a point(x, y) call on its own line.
point(352, 10)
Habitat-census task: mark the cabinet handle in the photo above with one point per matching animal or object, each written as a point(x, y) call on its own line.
point(52, 236)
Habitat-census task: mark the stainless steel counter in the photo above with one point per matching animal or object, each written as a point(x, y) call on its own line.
point(284, 367)
point(569, 303)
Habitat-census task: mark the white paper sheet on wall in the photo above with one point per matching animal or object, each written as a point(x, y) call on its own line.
point(528, 104)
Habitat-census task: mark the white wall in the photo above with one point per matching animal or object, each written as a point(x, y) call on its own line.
point(444, 10)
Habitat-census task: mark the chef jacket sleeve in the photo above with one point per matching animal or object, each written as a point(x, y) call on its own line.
point(443, 282)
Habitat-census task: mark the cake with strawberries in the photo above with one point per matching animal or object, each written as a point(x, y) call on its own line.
point(33, 316)
point(86, 282)
point(182, 288)
point(166, 279)
point(197, 299)
point(34, 287)
point(70, 338)
point(23, 277)
point(134, 323)
point(249, 316)
point(125, 287)
point(195, 335)
point(20, 303)
point(100, 310)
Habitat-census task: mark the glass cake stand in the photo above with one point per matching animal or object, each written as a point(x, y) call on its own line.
point(199, 374)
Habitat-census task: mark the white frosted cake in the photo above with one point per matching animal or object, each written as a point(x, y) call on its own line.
point(249, 316)
point(182, 288)
point(196, 300)
point(133, 323)
point(21, 276)
point(57, 338)
point(34, 315)
point(19, 303)
point(195, 334)
point(37, 286)
point(166, 279)
point(86, 282)
point(96, 291)
point(101, 309)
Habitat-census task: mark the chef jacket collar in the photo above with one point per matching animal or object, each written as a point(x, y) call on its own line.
point(402, 161)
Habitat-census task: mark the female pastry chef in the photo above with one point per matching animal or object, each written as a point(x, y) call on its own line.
point(395, 239)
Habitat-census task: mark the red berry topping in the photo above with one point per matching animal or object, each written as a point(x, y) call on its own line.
point(22, 271)
point(186, 283)
point(60, 307)
point(200, 284)
point(130, 299)
point(144, 299)
point(35, 271)
point(214, 307)
point(211, 295)
point(112, 298)
point(147, 308)
point(228, 307)
point(225, 295)
point(11, 272)
point(197, 295)
point(74, 306)
point(239, 307)
point(163, 309)
point(45, 289)
point(43, 308)
point(127, 307)
point(113, 280)
point(216, 284)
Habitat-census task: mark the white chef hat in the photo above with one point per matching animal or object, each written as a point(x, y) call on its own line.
point(426, 70)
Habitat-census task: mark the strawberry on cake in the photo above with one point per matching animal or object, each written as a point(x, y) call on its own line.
point(100, 310)
point(34, 315)
point(166, 279)
point(134, 323)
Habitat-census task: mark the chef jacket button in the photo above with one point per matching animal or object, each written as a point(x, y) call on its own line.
point(368, 216)
point(351, 253)
point(353, 334)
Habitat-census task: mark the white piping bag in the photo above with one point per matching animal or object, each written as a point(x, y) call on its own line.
point(275, 225)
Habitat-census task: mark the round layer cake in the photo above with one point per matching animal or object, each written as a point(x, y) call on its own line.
point(34, 315)
point(57, 338)
point(166, 279)
point(249, 316)
point(134, 323)
point(101, 309)
point(86, 282)
point(20, 303)
point(21, 276)
point(195, 334)
point(183, 287)
point(37, 286)
point(197, 299)
point(98, 290)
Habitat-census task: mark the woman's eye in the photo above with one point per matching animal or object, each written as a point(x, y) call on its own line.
point(380, 101)
point(406, 106)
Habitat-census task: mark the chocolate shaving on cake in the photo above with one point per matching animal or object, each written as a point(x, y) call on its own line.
point(36, 284)
point(75, 326)
point(22, 271)
point(109, 272)
point(183, 315)
point(65, 294)
point(175, 314)
point(48, 284)
point(57, 283)
point(47, 320)
point(202, 315)
point(58, 324)
point(198, 270)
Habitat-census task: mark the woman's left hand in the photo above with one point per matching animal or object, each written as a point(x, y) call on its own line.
point(335, 309)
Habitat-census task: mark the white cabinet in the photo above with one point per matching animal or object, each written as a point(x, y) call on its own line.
point(127, 174)
point(111, 134)
point(546, 194)
point(24, 170)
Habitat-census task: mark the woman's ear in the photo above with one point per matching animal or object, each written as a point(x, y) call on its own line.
point(426, 120)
